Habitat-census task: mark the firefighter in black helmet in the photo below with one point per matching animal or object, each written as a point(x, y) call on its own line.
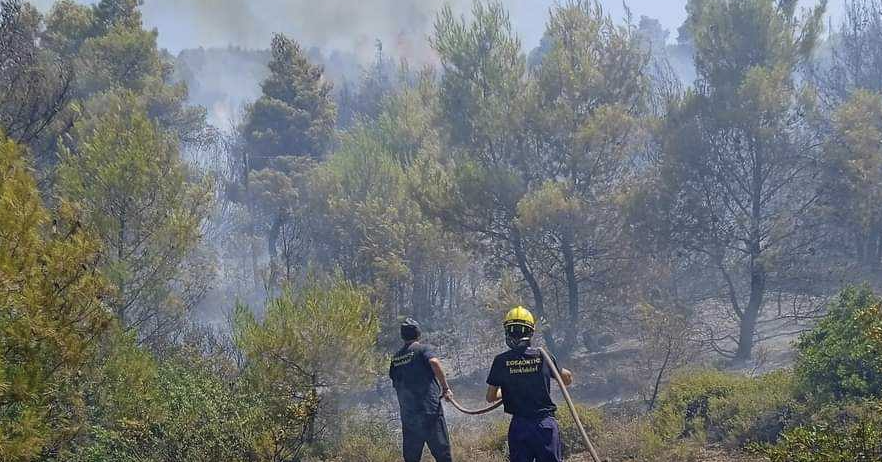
point(522, 379)
point(420, 384)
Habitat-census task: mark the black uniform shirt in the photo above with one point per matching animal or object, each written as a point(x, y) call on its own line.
point(418, 390)
point(525, 381)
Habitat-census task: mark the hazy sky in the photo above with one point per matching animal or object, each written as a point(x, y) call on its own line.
point(354, 25)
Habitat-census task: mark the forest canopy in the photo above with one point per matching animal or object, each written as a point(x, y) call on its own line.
point(174, 290)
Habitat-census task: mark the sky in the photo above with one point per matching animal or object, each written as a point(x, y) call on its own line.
point(355, 25)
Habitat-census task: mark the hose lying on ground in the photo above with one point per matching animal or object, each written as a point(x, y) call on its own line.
point(566, 394)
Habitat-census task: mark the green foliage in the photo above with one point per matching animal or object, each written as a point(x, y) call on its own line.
point(840, 357)
point(527, 167)
point(592, 420)
point(737, 178)
point(839, 432)
point(727, 408)
point(102, 68)
point(853, 173)
point(295, 115)
point(732, 37)
point(124, 402)
point(68, 25)
point(34, 82)
point(109, 51)
point(128, 176)
point(177, 410)
point(481, 88)
point(51, 296)
point(828, 444)
point(374, 228)
point(550, 148)
point(305, 330)
point(365, 438)
point(292, 122)
point(311, 344)
point(363, 189)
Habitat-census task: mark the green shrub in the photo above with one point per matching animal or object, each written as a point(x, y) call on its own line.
point(839, 431)
point(592, 419)
point(724, 408)
point(368, 442)
point(358, 434)
point(494, 440)
point(821, 443)
point(161, 412)
point(486, 445)
point(840, 358)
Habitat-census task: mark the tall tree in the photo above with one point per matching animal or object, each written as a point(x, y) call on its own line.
point(376, 84)
point(853, 177)
point(35, 84)
point(295, 115)
point(288, 353)
point(849, 83)
point(586, 104)
point(475, 188)
point(293, 120)
point(537, 159)
point(109, 51)
point(370, 224)
point(855, 54)
point(138, 197)
point(739, 171)
point(52, 295)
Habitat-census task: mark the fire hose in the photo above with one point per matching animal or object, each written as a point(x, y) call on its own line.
point(566, 394)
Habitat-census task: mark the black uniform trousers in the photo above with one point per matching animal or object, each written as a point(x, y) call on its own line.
point(419, 430)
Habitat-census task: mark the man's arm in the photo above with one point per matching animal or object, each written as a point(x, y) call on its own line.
point(446, 393)
point(565, 374)
point(494, 394)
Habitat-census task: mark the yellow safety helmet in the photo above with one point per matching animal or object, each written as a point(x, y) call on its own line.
point(519, 316)
point(519, 325)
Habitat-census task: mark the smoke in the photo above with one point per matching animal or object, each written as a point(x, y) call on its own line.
point(353, 26)
point(340, 34)
point(346, 25)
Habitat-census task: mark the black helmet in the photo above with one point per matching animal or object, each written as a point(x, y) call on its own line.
point(410, 330)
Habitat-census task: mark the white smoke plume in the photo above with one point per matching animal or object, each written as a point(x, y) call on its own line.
point(353, 26)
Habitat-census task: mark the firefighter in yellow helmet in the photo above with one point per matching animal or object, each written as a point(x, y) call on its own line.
point(522, 380)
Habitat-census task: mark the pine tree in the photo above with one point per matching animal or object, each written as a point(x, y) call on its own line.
point(295, 116)
point(50, 312)
point(292, 123)
point(128, 175)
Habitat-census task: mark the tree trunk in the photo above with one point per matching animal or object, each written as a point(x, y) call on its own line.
point(661, 373)
point(272, 241)
point(442, 285)
point(538, 299)
point(310, 431)
point(571, 331)
point(752, 311)
point(252, 229)
point(876, 238)
point(418, 297)
point(120, 255)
